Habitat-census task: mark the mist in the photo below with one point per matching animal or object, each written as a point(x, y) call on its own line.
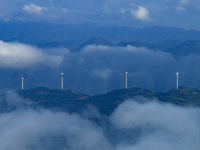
point(161, 125)
point(100, 69)
point(96, 69)
point(137, 123)
point(20, 56)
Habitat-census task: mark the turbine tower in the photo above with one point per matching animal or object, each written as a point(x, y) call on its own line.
point(126, 79)
point(177, 80)
point(22, 83)
point(62, 80)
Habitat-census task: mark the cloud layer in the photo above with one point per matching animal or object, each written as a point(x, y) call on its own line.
point(96, 69)
point(100, 69)
point(162, 126)
point(19, 56)
point(136, 124)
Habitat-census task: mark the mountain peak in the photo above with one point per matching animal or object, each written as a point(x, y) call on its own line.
point(96, 41)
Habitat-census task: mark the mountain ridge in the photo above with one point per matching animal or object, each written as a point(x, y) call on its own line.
point(37, 33)
point(106, 103)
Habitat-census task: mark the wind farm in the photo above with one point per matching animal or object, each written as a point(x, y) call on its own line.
point(126, 81)
point(99, 75)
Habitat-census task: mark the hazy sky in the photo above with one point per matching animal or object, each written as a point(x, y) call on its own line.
point(136, 13)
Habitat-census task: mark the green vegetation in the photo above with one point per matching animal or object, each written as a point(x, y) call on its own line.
point(106, 103)
point(55, 98)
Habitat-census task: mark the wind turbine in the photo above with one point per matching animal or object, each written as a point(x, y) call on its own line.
point(22, 83)
point(126, 79)
point(177, 80)
point(62, 80)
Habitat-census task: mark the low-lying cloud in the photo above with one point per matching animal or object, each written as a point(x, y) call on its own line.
point(161, 126)
point(105, 67)
point(137, 123)
point(46, 130)
point(19, 56)
point(96, 69)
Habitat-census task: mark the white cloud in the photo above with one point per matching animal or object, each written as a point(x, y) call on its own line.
point(110, 63)
point(141, 13)
point(138, 124)
point(34, 9)
point(182, 4)
point(47, 130)
point(184, 1)
point(123, 11)
point(17, 55)
point(26, 128)
point(132, 4)
point(64, 10)
point(181, 8)
point(163, 126)
point(104, 74)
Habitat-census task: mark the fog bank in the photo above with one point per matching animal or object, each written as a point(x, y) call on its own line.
point(96, 69)
point(137, 123)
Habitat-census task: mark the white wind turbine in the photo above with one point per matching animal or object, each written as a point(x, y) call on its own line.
point(62, 80)
point(22, 83)
point(177, 80)
point(126, 79)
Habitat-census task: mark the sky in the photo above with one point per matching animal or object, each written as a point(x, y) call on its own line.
point(173, 13)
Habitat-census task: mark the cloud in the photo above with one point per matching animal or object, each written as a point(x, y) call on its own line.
point(99, 69)
point(96, 69)
point(110, 64)
point(101, 12)
point(42, 129)
point(64, 10)
point(137, 123)
point(34, 9)
point(46, 130)
point(181, 8)
point(156, 125)
point(105, 74)
point(182, 5)
point(141, 13)
point(184, 1)
point(123, 11)
point(19, 56)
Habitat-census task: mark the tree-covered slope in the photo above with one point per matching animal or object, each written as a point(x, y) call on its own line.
point(106, 103)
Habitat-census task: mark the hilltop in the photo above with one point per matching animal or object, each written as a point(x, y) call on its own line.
point(55, 98)
point(75, 102)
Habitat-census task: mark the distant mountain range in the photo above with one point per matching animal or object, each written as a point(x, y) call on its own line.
point(41, 33)
point(75, 102)
point(74, 37)
point(175, 47)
